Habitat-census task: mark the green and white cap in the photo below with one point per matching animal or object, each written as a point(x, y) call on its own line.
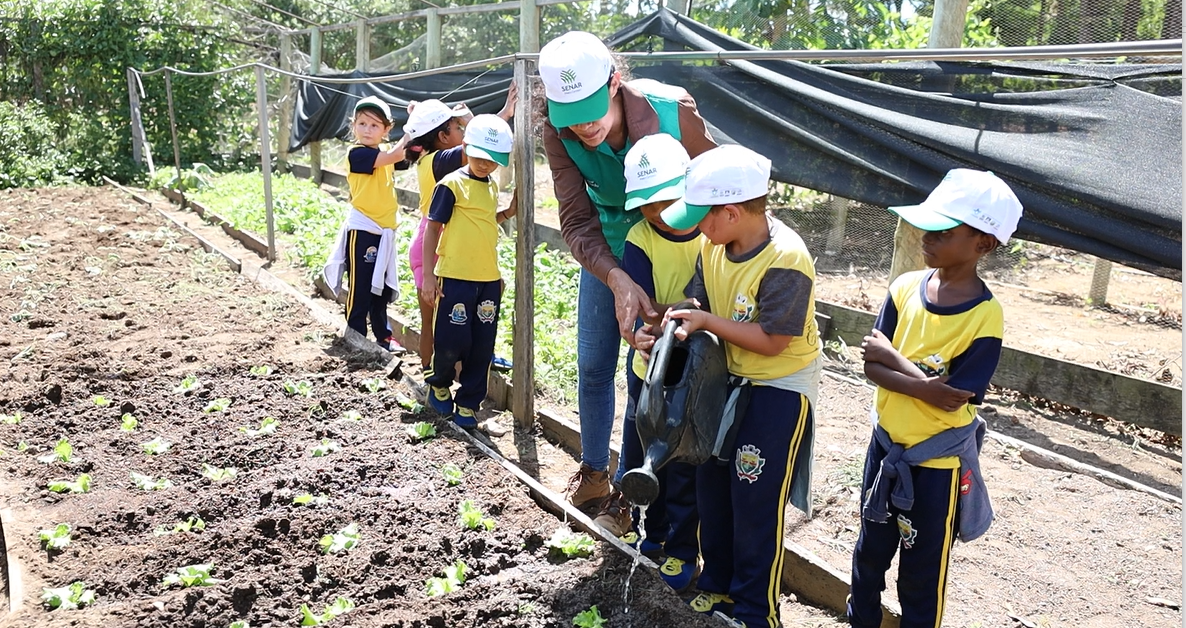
point(488, 136)
point(373, 102)
point(575, 69)
point(426, 116)
point(655, 169)
point(725, 175)
point(975, 198)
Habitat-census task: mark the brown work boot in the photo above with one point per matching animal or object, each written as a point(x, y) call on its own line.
point(586, 487)
point(614, 514)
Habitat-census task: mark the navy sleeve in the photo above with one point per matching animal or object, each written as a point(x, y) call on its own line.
point(783, 297)
point(446, 161)
point(887, 319)
point(639, 267)
point(695, 288)
point(362, 159)
point(440, 208)
point(972, 370)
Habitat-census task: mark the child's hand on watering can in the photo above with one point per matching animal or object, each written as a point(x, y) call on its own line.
point(690, 320)
point(644, 340)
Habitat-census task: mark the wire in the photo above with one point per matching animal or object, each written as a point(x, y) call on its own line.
point(279, 10)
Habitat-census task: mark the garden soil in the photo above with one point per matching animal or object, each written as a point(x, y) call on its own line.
point(100, 298)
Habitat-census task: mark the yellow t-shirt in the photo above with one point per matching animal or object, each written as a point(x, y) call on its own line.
point(372, 190)
point(468, 209)
point(962, 342)
point(662, 264)
point(773, 286)
point(432, 166)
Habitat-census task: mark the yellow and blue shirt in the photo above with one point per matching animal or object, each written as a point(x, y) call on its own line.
point(773, 286)
point(961, 342)
point(433, 167)
point(372, 190)
point(661, 264)
point(468, 208)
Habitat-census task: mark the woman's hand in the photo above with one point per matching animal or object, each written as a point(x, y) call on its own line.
point(629, 301)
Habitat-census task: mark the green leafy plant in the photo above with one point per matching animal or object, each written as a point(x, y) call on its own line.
point(68, 597)
point(373, 384)
point(409, 404)
point(471, 517)
point(80, 485)
point(189, 384)
point(267, 427)
point(589, 619)
point(216, 474)
point(454, 578)
point(325, 448)
point(421, 430)
point(101, 401)
point(55, 538)
point(239, 624)
point(146, 483)
point(302, 388)
point(307, 499)
point(156, 446)
point(352, 415)
point(571, 544)
point(128, 423)
point(218, 405)
point(262, 370)
point(452, 473)
point(63, 452)
point(193, 524)
point(191, 576)
point(341, 606)
point(11, 419)
point(22, 446)
point(346, 539)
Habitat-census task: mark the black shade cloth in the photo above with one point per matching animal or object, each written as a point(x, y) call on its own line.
point(1093, 151)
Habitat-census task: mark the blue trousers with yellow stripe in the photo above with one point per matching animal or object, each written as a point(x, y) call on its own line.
point(463, 331)
point(743, 505)
point(924, 533)
point(362, 248)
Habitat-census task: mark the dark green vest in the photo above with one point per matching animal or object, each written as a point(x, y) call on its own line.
point(604, 172)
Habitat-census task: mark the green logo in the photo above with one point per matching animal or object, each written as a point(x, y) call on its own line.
point(492, 133)
point(568, 76)
point(644, 162)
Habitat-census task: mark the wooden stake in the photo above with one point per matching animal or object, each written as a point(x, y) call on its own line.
point(523, 393)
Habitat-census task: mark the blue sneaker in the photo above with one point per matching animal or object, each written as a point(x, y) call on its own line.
point(440, 400)
point(678, 574)
point(709, 603)
point(501, 364)
point(651, 549)
point(464, 418)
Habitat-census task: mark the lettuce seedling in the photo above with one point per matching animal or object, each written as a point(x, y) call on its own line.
point(68, 597)
point(571, 544)
point(326, 447)
point(302, 388)
point(421, 430)
point(263, 370)
point(191, 576)
point(189, 384)
point(193, 524)
point(11, 419)
point(128, 422)
point(454, 578)
point(352, 415)
point(216, 474)
point(589, 619)
point(146, 483)
point(306, 499)
point(63, 453)
point(156, 446)
point(101, 401)
point(341, 606)
point(218, 405)
point(409, 404)
point(267, 427)
point(470, 516)
point(347, 539)
point(55, 538)
point(452, 473)
point(373, 384)
point(81, 485)
point(239, 624)
point(22, 446)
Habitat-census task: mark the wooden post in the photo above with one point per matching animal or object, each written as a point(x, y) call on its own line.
point(140, 150)
point(839, 207)
point(947, 31)
point(523, 392)
point(362, 45)
point(432, 52)
point(1099, 282)
point(173, 131)
point(314, 69)
point(286, 104)
point(265, 154)
point(528, 26)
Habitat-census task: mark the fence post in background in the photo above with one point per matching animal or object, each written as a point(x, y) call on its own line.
point(839, 211)
point(134, 114)
point(285, 103)
point(947, 31)
point(432, 49)
point(678, 6)
point(523, 391)
point(173, 131)
point(528, 26)
point(314, 69)
point(265, 154)
point(362, 45)
point(1099, 282)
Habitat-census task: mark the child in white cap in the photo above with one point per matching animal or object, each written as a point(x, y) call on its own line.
point(465, 285)
point(932, 352)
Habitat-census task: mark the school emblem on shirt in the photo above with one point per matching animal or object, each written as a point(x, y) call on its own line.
point(371, 255)
point(749, 463)
point(486, 311)
point(743, 310)
point(932, 365)
point(966, 482)
point(906, 529)
point(458, 317)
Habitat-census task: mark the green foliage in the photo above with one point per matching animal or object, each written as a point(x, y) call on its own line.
point(191, 576)
point(589, 619)
point(216, 474)
point(422, 430)
point(346, 539)
point(100, 401)
point(452, 473)
point(307, 499)
point(193, 524)
point(189, 384)
point(373, 384)
point(68, 597)
point(471, 517)
point(11, 419)
point(29, 153)
point(55, 538)
point(80, 485)
point(341, 606)
point(261, 370)
point(267, 427)
point(302, 388)
point(156, 446)
point(454, 578)
point(63, 452)
point(218, 405)
point(239, 624)
point(571, 544)
point(128, 422)
point(146, 483)
point(352, 415)
point(324, 448)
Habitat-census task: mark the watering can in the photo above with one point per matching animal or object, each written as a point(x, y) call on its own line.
point(680, 407)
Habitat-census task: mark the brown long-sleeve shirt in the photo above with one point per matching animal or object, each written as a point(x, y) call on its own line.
point(579, 222)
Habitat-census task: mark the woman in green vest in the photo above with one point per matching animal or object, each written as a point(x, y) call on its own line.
point(594, 116)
